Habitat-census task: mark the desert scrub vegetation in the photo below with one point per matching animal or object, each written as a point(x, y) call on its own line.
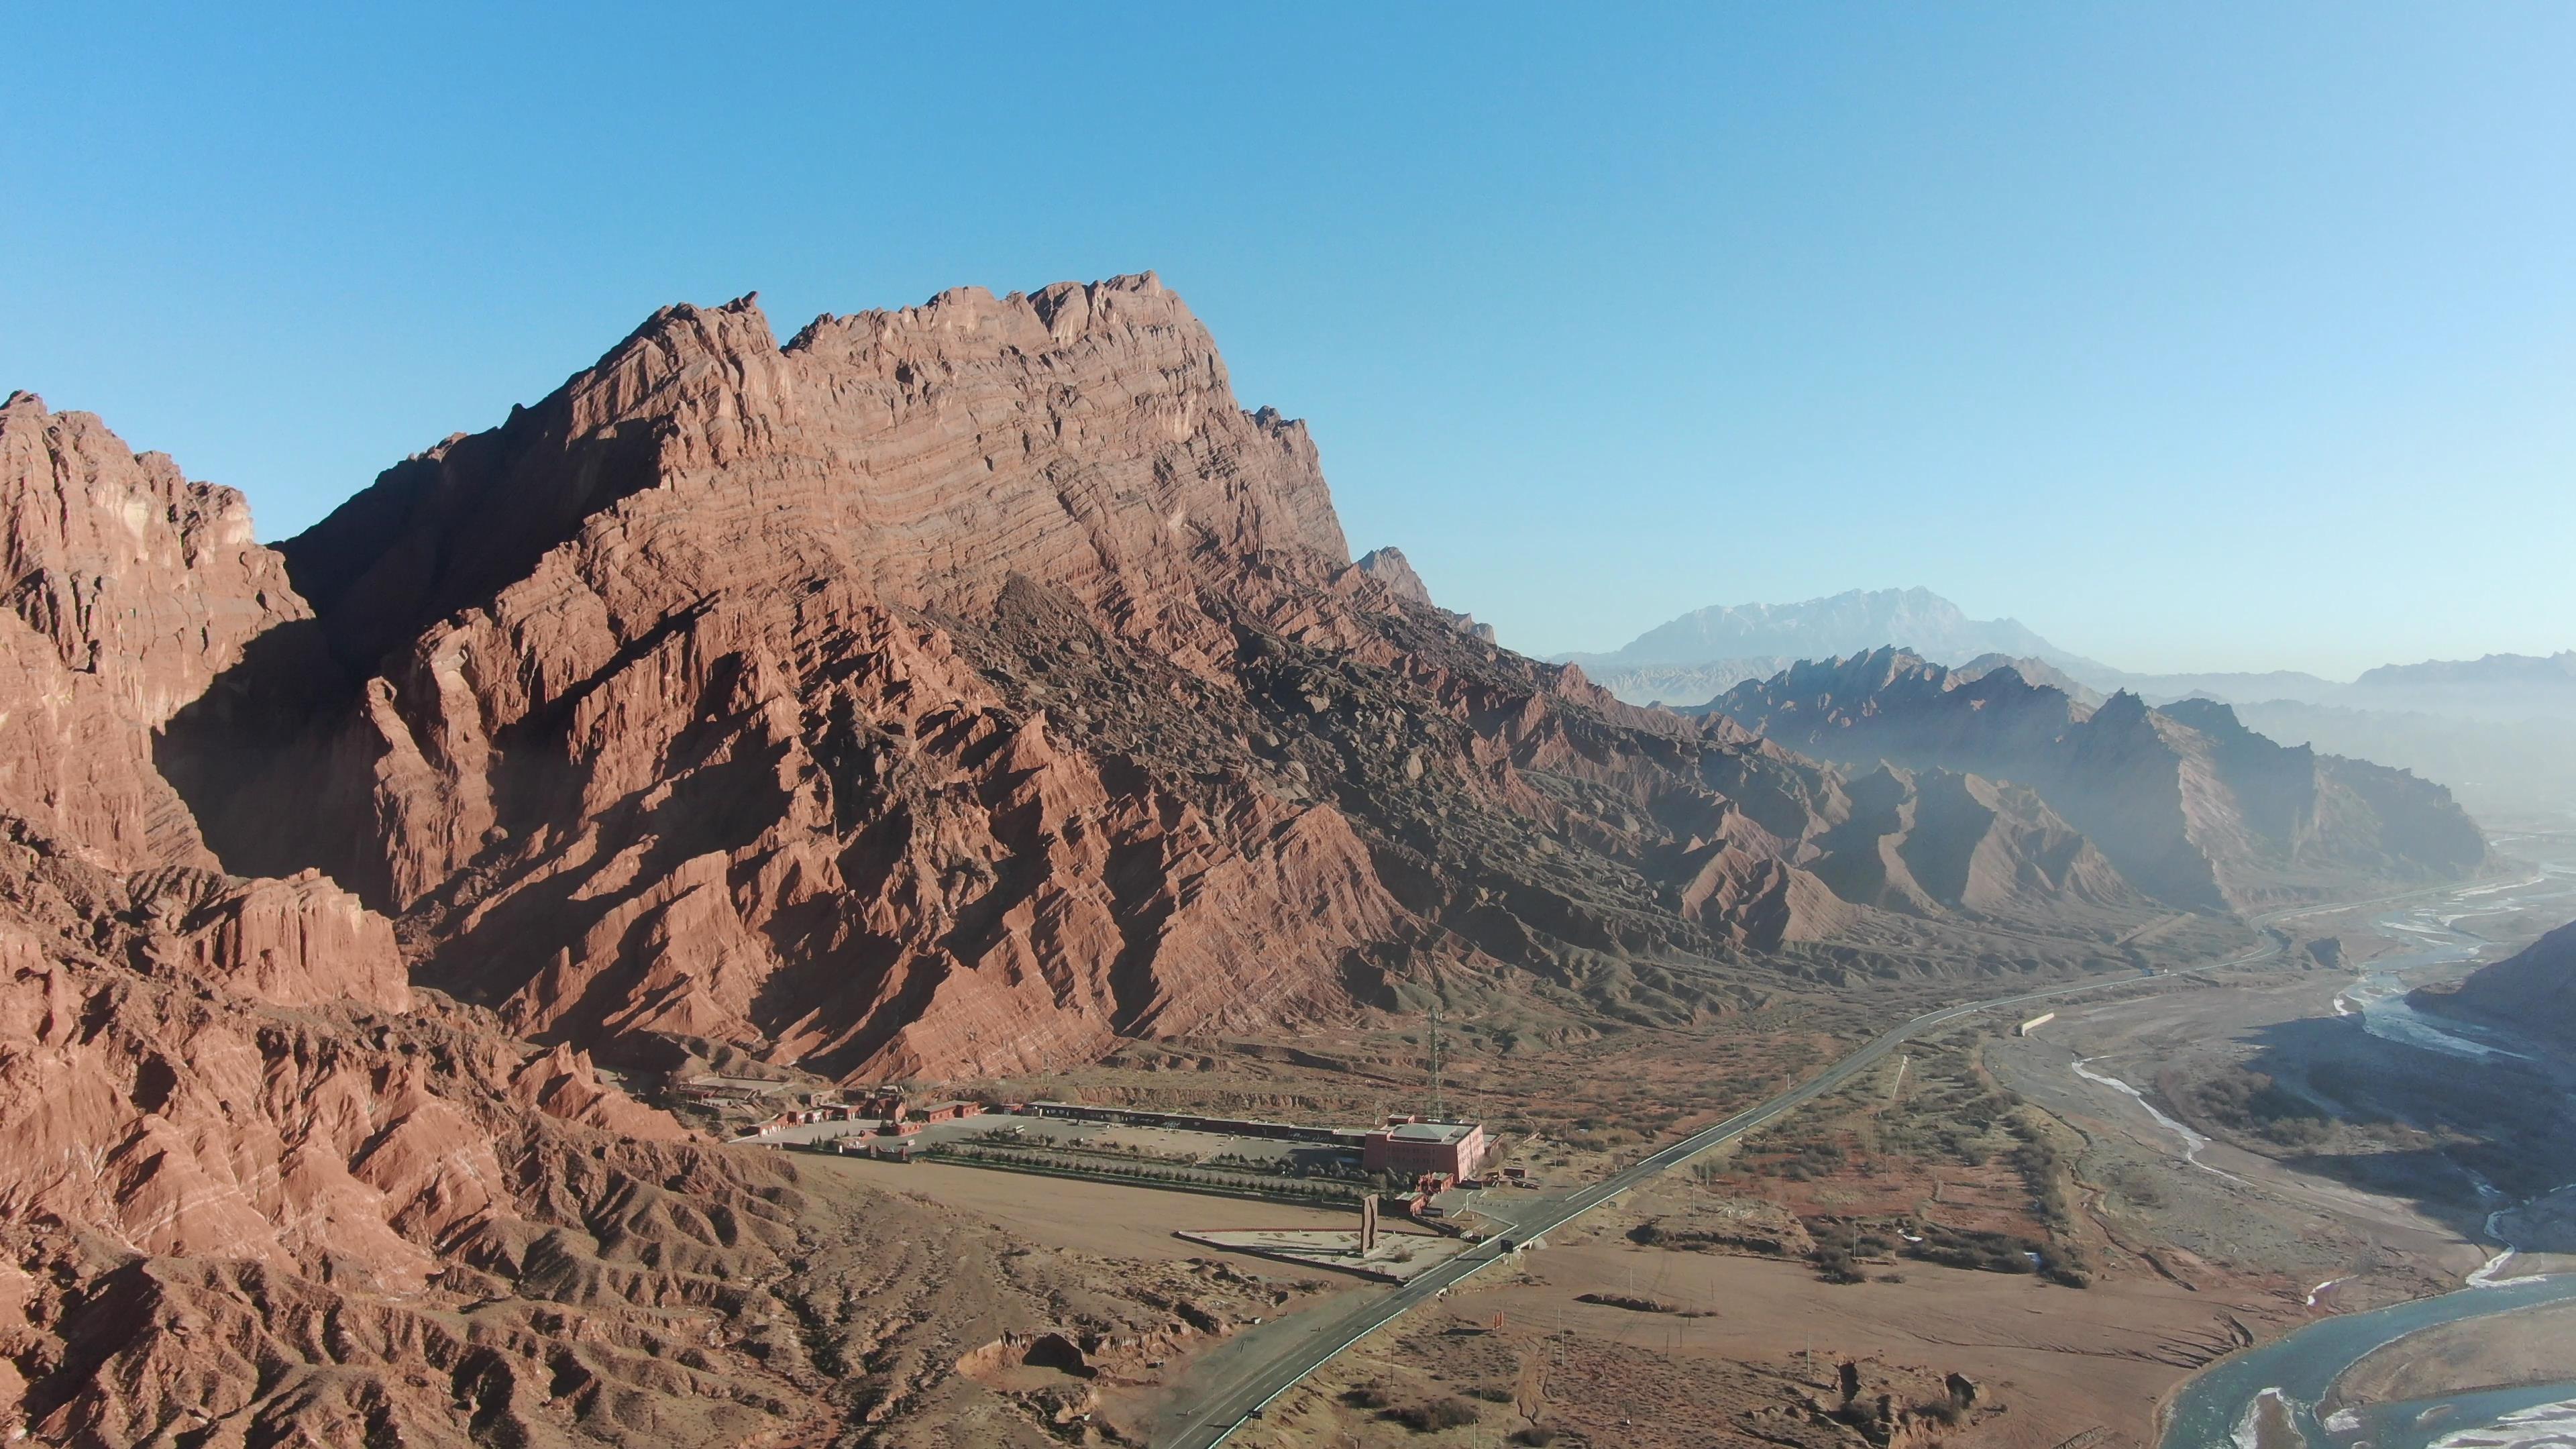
point(1970, 1248)
point(2251, 1104)
point(1839, 1247)
point(1436, 1415)
point(2045, 1171)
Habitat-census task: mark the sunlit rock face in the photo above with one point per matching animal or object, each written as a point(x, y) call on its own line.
point(953, 691)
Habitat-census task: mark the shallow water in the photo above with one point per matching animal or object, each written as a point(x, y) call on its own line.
point(2494, 1419)
point(2265, 1398)
point(2226, 1400)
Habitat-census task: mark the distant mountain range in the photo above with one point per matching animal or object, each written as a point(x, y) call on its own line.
point(2190, 806)
point(2495, 730)
point(1854, 621)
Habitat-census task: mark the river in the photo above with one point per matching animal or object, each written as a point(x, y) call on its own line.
point(2266, 1397)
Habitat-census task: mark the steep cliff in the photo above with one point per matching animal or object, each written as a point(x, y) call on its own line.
point(129, 589)
point(255, 1188)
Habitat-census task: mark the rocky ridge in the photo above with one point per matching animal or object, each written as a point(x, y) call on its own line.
point(2190, 806)
point(955, 691)
point(258, 1188)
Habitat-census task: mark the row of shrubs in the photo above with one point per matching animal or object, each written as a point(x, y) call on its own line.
point(1841, 1247)
point(1322, 1190)
point(1423, 1418)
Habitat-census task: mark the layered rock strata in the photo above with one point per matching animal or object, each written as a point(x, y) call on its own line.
point(953, 691)
point(256, 1188)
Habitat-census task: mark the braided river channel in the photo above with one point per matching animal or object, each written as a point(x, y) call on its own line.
point(2270, 1397)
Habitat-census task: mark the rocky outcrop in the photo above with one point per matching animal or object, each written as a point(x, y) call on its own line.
point(1390, 567)
point(1920, 842)
point(2032, 671)
point(129, 589)
point(255, 1188)
point(2532, 991)
point(2189, 805)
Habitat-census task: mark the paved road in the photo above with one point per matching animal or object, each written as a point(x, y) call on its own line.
point(1276, 1367)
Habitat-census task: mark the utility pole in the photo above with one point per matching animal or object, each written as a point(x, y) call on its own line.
point(1437, 1115)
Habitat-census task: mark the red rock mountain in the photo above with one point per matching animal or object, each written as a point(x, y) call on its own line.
point(256, 1188)
point(2188, 804)
point(953, 691)
point(949, 691)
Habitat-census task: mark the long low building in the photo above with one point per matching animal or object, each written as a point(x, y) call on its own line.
point(1348, 1137)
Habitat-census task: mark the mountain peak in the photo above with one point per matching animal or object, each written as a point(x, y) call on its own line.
point(1106, 399)
point(1833, 625)
point(1390, 567)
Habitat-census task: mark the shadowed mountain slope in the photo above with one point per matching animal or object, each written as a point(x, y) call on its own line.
point(957, 690)
point(2192, 807)
point(256, 1187)
point(2532, 991)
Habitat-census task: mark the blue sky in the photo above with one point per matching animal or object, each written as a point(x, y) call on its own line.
point(2192, 336)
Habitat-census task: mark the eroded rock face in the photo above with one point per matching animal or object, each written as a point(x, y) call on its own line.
point(955, 690)
point(256, 1189)
point(951, 691)
point(129, 589)
point(1390, 567)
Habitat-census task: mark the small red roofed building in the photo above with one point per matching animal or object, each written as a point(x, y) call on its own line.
point(1410, 1149)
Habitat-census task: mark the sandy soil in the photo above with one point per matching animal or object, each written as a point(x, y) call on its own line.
point(1085, 1217)
point(1105, 1223)
point(2246, 1211)
point(2533, 1346)
point(1585, 1393)
point(2066, 1360)
point(2057, 1362)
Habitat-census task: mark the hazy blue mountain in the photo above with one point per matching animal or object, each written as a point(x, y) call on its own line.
point(1855, 621)
point(2497, 687)
point(2503, 769)
point(2233, 687)
point(2190, 805)
point(2499, 731)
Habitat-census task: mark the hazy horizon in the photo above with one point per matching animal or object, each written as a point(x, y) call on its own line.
point(899, 891)
point(2192, 339)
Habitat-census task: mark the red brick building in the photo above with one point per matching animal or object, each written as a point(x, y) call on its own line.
point(1409, 1149)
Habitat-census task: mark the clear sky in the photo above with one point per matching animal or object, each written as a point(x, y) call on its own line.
point(2208, 336)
